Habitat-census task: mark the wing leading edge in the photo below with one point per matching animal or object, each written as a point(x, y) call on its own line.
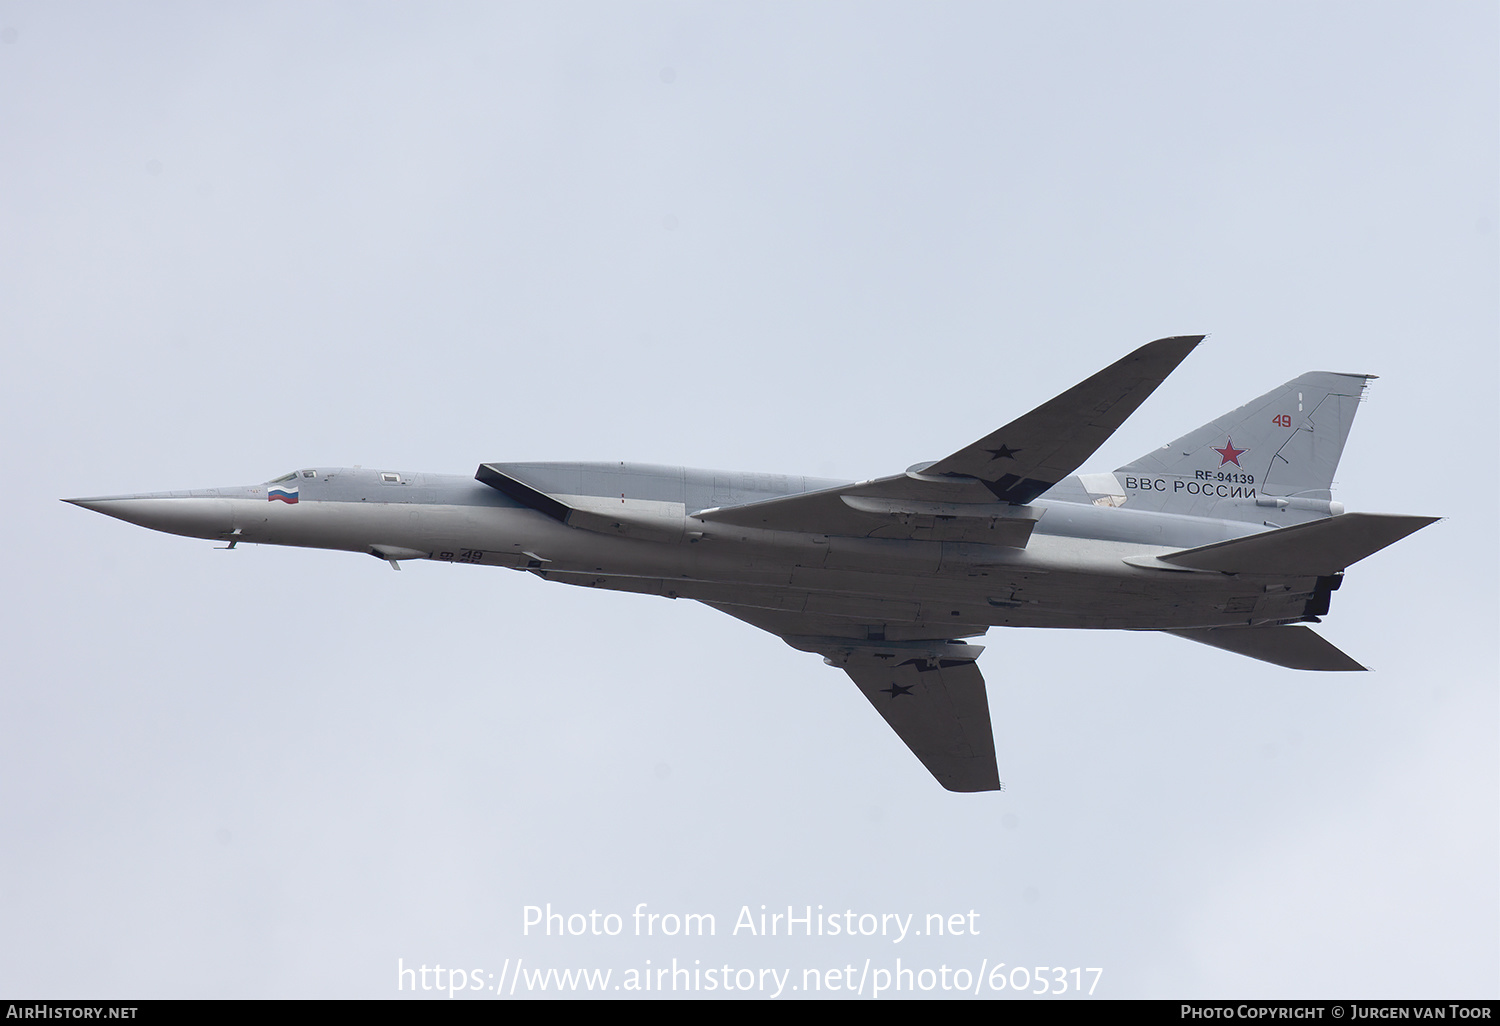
point(930, 692)
point(1034, 452)
point(980, 493)
point(933, 697)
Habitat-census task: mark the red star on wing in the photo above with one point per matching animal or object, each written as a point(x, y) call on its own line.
point(1229, 454)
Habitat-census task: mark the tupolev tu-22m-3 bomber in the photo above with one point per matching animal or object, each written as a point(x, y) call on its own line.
point(1228, 536)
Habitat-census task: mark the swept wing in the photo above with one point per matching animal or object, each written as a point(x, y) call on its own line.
point(929, 690)
point(979, 493)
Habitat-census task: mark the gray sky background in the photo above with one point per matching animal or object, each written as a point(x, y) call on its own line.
point(829, 239)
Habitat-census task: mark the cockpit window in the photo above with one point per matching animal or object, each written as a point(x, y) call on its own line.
point(283, 478)
point(309, 473)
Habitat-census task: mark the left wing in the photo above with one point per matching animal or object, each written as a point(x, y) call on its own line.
point(979, 493)
point(922, 683)
point(929, 691)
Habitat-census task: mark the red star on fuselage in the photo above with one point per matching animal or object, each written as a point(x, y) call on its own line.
point(1229, 454)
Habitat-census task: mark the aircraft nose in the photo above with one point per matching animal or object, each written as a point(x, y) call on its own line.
point(196, 516)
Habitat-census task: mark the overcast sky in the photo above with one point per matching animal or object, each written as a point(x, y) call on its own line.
point(828, 239)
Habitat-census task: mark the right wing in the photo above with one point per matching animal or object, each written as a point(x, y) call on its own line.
point(1031, 454)
point(979, 493)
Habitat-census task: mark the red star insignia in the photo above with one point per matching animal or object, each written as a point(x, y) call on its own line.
point(1229, 454)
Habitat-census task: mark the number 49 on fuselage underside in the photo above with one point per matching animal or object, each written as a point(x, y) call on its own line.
point(1228, 536)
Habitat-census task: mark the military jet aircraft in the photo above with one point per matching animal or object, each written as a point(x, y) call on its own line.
point(1228, 536)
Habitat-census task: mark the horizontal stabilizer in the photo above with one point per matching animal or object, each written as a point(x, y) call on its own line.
point(1314, 549)
point(1296, 648)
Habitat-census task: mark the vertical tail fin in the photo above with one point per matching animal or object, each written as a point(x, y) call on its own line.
point(1272, 459)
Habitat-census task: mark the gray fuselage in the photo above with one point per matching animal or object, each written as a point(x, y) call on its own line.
point(1071, 573)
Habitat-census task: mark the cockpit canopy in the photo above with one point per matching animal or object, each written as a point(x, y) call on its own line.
point(284, 478)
